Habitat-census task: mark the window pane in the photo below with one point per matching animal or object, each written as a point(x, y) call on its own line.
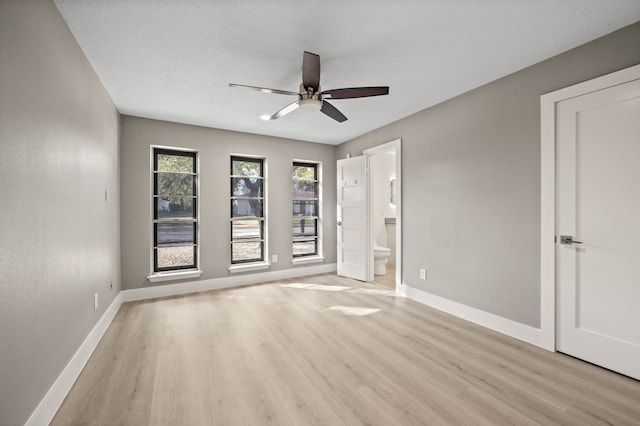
point(304, 227)
point(246, 167)
point(175, 233)
point(304, 208)
point(305, 212)
point(302, 248)
point(244, 252)
point(246, 229)
point(175, 215)
point(246, 187)
point(175, 163)
point(304, 173)
point(247, 203)
point(175, 257)
point(174, 184)
point(168, 207)
point(305, 189)
point(249, 208)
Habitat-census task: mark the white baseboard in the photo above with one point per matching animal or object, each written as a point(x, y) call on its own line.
point(494, 322)
point(225, 282)
point(48, 406)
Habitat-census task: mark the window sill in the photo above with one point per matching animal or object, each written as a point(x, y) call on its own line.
point(247, 267)
point(304, 260)
point(173, 276)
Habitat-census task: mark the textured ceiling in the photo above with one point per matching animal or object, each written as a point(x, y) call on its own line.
point(173, 60)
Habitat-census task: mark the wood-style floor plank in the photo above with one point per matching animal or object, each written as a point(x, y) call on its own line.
point(328, 350)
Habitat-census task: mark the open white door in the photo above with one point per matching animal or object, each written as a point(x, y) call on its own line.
point(352, 218)
point(598, 212)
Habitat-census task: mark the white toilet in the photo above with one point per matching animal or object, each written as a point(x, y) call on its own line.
point(380, 252)
point(380, 256)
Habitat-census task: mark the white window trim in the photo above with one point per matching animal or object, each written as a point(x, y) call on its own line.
point(151, 214)
point(248, 267)
point(319, 257)
point(259, 265)
point(173, 276)
point(307, 259)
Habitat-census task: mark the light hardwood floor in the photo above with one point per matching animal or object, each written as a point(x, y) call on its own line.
point(332, 351)
point(389, 279)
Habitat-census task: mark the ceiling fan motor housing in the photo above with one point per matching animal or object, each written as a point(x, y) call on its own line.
point(308, 100)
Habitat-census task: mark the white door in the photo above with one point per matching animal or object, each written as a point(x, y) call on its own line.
point(352, 218)
point(598, 207)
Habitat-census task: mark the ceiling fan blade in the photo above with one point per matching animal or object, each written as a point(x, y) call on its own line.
point(357, 92)
point(284, 111)
point(264, 89)
point(311, 71)
point(332, 112)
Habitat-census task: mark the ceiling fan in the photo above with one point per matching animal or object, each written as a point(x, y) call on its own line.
point(311, 98)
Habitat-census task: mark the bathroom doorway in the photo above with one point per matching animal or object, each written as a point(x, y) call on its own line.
point(385, 214)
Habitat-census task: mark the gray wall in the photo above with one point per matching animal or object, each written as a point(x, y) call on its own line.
point(214, 148)
point(471, 181)
point(59, 239)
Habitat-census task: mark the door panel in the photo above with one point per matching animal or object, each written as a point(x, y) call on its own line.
point(599, 205)
point(352, 218)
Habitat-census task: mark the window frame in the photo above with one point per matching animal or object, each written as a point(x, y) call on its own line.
point(262, 239)
point(194, 218)
point(317, 236)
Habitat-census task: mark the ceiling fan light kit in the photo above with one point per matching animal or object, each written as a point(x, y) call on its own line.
point(310, 98)
point(310, 104)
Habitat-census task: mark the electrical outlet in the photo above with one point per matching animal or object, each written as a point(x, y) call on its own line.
point(423, 274)
point(274, 258)
point(95, 302)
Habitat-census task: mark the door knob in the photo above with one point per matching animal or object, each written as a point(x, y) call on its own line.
point(339, 223)
point(568, 239)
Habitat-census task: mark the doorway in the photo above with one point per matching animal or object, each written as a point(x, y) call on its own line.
point(384, 164)
point(590, 208)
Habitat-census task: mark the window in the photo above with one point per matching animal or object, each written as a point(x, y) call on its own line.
point(174, 202)
point(305, 209)
point(247, 210)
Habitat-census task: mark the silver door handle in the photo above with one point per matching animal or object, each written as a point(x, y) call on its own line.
point(568, 239)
